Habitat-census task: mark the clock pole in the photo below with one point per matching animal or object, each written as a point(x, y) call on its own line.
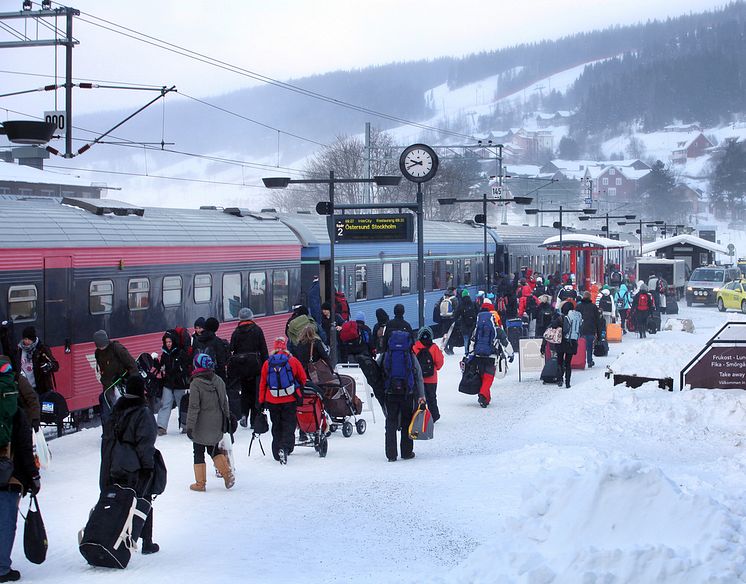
point(420, 256)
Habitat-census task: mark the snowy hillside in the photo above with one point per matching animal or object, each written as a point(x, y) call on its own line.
point(592, 484)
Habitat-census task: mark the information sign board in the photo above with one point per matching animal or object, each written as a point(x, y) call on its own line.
point(374, 228)
point(530, 359)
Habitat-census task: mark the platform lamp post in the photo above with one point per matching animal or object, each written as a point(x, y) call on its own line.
point(559, 224)
point(641, 222)
point(327, 208)
point(482, 218)
point(606, 218)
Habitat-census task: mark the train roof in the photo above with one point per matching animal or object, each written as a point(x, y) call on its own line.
point(107, 223)
point(524, 234)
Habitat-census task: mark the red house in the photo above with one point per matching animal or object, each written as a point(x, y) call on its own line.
point(693, 148)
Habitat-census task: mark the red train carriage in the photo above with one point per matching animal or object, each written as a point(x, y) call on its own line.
point(74, 267)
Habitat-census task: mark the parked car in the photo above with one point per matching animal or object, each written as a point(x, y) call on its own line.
point(705, 283)
point(732, 295)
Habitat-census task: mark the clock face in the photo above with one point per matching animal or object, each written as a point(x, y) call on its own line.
point(418, 163)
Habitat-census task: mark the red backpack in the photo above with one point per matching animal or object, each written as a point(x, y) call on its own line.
point(349, 332)
point(643, 302)
point(341, 305)
point(184, 340)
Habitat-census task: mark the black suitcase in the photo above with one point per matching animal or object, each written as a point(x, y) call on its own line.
point(551, 371)
point(601, 349)
point(672, 306)
point(654, 323)
point(113, 528)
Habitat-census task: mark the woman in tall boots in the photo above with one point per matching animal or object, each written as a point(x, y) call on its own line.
point(207, 420)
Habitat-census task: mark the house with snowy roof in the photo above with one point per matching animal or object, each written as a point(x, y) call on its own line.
point(691, 148)
point(558, 118)
point(25, 181)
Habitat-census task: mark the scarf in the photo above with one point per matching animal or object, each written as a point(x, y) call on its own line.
point(30, 349)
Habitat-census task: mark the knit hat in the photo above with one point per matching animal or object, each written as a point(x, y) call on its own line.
point(464, 293)
point(326, 306)
point(101, 339)
point(212, 324)
point(487, 303)
point(135, 387)
point(425, 333)
point(480, 293)
point(490, 296)
point(245, 314)
point(360, 316)
point(203, 361)
point(399, 310)
point(606, 292)
point(200, 322)
point(281, 344)
point(29, 333)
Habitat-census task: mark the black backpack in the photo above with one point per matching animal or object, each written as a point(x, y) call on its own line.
point(426, 361)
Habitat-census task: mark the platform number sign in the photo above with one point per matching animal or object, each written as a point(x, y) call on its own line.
point(57, 118)
point(497, 191)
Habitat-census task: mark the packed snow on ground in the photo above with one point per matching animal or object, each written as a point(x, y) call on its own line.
point(592, 484)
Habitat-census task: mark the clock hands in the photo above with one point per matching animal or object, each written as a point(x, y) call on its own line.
point(414, 163)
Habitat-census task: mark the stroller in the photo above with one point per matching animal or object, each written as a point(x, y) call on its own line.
point(311, 420)
point(342, 403)
point(149, 369)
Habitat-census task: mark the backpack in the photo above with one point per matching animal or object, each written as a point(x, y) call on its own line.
point(469, 317)
point(446, 308)
point(280, 380)
point(341, 305)
point(621, 300)
point(426, 361)
point(643, 302)
point(349, 333)
point(397, 364)
point(616, 278)
point(569, 332)
point(8, 401)
point(502, 304)
point(484, 334)
point(605, 303)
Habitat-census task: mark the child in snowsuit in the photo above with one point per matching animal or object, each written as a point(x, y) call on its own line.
point(431, 360)
point(488, 339)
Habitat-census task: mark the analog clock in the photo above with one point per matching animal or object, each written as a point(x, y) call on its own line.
point(418, 163)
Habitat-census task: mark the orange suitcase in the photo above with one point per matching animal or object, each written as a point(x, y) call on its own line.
point(614, 333)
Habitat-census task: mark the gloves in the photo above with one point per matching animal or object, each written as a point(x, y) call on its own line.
point(190, 434)
point(510, 359)
point(35, 485)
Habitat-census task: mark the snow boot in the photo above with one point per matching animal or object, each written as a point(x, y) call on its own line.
point(200, 477)
point(148, 547)
point(224, 467)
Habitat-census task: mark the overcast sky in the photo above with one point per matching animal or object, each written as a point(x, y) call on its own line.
point(294, 38)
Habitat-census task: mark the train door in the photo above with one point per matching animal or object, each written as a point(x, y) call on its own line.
point(58, 317)
point(325, 281)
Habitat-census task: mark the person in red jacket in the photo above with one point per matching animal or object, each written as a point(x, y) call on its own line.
point(430, 358)
point(281, 392)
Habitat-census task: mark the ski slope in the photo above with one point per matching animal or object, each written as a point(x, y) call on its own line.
point(591, 484)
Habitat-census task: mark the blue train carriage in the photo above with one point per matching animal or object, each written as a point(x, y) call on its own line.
point(381, 274)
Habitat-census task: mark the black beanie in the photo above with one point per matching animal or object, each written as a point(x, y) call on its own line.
point(29, 333)
point(135, 386)
point(326, 306)
point(212, 324)
point(399, 310)
point(200, 322)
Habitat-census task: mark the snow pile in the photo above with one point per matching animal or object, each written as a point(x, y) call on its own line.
point(659, 356)
point(613, 521)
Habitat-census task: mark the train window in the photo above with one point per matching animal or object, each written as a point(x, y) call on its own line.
point(467, 272)
point(404, 270)
point(437, 265)
point(202, 288)
point(361, 282)
point(231, 296)
point(138, 294)
point(258, 291)
point(339, 277)
point(101, 297)
point(449, 273)
point(388, 280)
point(171, 290)
point(280, 291)
point(22, 303)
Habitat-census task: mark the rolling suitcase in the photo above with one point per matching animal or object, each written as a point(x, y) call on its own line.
point(614, 333)
point(113, 528)
point(601, 348)
point(672, 306)
point(550, 373)
point(654, 323)
point(514, 330)
point(578, 359)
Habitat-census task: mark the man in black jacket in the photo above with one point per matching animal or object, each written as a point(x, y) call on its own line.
point(397, 324)
point(591, 327)
point(466, 317)
point(248, 353)
point(208, 342)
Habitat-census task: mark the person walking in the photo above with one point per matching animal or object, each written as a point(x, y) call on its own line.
point(489, 340)
point(208, 342)
point(544, 314)
point(447, 309)
point(128, 451)
point(114, 364)
point(174, 363)
point(397, 324)
point(623, 302)
point(591, 325)
point(281, 392)
point(431, 360)
point(379, 330)
point(22, 476)
point(36, 361)
point(571, 322)
point(207, 421)
point(606, 305)
point(643, 305)
point(466, 317)
point(248, 349)
point(404, 385)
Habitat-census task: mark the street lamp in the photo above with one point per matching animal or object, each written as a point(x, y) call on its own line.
point(483, 220)
point(327, 208)
point(558, 224)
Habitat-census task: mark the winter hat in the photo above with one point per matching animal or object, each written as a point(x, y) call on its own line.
point(464, 293)
point(566, 307)
point(425, 334)
point(29, 333)
point(360, 316)
point(203, 361)
point(5, 366)
point(545, 298)
point(326, 306)
point(212, 324)
point(487, 304)
point(399, 310)
point(586, 295)
point(200, 322)
point(480, 293)
point(101, 339)
point(281, 344)
point(245, 314)
point(135, 387)
point(490, 296)
point(606, 292)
